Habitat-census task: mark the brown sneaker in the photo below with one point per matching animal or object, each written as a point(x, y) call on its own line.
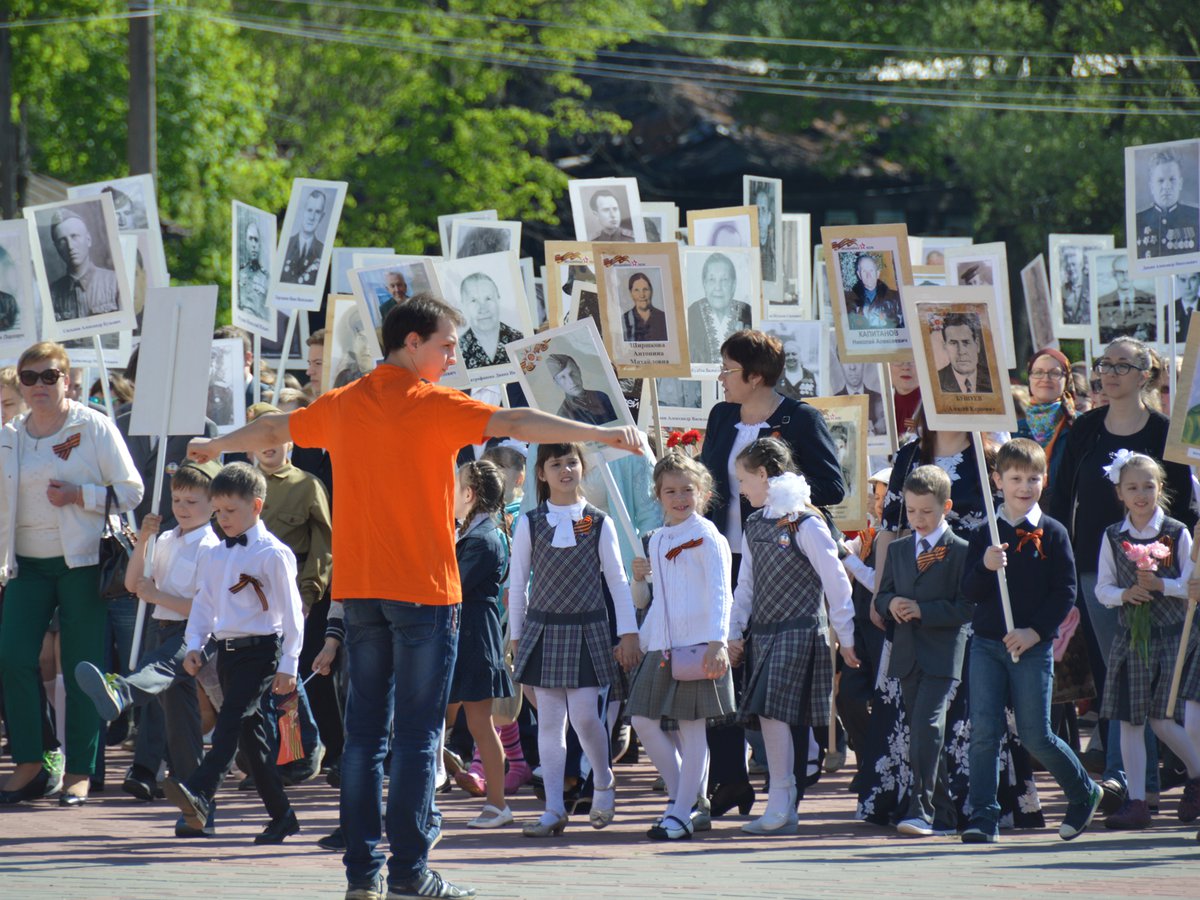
point(1189, 806)
point(1134, 815)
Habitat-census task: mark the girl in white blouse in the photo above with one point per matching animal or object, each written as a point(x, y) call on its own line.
point(690, 562)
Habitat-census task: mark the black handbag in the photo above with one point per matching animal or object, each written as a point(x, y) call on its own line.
point(116, 548)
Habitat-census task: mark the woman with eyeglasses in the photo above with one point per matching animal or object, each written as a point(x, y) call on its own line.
point(1051, 410)
point(1081, 496)
point(57, 461)
point(751, 365)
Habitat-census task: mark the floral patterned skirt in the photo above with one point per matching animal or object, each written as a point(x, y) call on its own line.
point(885, 777)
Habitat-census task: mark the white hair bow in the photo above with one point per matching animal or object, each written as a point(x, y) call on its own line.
point(787, 495)
point(1119, 459)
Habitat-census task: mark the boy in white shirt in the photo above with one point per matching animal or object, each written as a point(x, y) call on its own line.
point(247, 600)
point(169, 590)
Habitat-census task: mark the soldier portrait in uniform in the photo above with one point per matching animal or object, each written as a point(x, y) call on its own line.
point(253, 246)
point(220, 407)
point(607, 210)
point(1162, 207)
point(252, 276)
point(1070, 281)
point(305, 247)
point(1124, 305)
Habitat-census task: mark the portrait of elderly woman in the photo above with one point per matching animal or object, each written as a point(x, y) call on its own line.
point(580, 404)
point(644, 321)
point(483, 341)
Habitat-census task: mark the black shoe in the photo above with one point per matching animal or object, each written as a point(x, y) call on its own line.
point(333, 775)
point(35, 788)
point(247, 784)
point(194, 807)
point(184, 830)
point(304, 769)
point(727, 796)
point(335, 842)
point(280, 828)
point(1114, 796)
point(72, 800)
point(430, 884)
point(136, 784)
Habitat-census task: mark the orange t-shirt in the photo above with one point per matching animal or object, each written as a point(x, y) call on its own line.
point(392, 439)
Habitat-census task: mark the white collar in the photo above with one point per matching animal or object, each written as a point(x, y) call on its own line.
point(933, 538)
point(1032, 517)
point(194, 535)
point(1153, 528)
point(562, 519)
point(686, 525)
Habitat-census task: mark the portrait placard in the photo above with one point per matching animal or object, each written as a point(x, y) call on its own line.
point(1183, 435)
point(1162, 207)
point(683, 403)
point(730, 226)
point(585, 304)
point(846, 418)
point(766, 194)
point(641, 308)
point(796, 300)
point(226, 404)
point(929, 276)
point(350, 344)
point(607, 209)
point(117, 346)
point(866, 266)
point(566, 371)
point(722, 295)
point(661, 220)
point(1120, 303)
point(1184, 291)
point(343, 262)
point(869, 380)
point(488, 291)
point(135, 204)
point(254, 241)
point(566, 263)
point(958, 356)
point(478, 238)
point(986, 264)
point(445, 221)
point(1036, 285)
point(182, 377)
point(384, 285)
point(80, 268)
point(805, 357)
point(19, 309)
point(931, 250)
point(1069, 281)
point(534, 296)
point(820, 279)
point(305, 248)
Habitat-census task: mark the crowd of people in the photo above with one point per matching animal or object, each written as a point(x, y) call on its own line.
point(483, 606)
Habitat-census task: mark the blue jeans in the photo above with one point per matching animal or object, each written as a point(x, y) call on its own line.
point(400, 660)
point(1028, 685)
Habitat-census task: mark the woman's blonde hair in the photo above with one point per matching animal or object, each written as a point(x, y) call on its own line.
point(44, 350)
point(676, 463)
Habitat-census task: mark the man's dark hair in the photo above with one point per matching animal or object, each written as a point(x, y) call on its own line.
point(421, 314)
point(757, 352)
point(240, 480)
point(604, 193)
point(189, 477)
point(964, 320)
point(642, 276)
point(232, 331)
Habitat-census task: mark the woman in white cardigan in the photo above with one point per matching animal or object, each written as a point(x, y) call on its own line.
point(56, 463)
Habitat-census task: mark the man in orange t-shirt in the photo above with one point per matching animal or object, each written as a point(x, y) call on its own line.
point(392, 436)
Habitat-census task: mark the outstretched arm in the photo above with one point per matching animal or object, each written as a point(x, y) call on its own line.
point(265, 431)
point(538, 427)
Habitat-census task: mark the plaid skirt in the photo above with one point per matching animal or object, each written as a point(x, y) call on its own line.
point(656, 695)
point(1137, 689)
point(791, 678)
point(1189, 686)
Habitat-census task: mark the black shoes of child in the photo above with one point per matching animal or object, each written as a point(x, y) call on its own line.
point(283, 827)
point(193, 806)
point(140, 783)
point(727, 796)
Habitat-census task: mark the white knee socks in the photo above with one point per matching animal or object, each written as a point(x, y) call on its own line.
point(661, 749)
point(582, 705)
point(781, 764)
point(694, 741)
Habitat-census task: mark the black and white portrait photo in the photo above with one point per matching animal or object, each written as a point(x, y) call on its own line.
point(805, 349)
point(607, 210)
point(1187, 301)
point(80, 267)
point(1124, 305)
point(641, 308)
point(766, 195)
point(1162, 206)
point(795, 299)
point(585, 304)
point(986, 265)
point(253, 246)
point(1036, 285)
point(1069, 281)
point(18, 308)
point(135, 205)
point(661, 221)
point(476, 238)
point(643, 321)
point(349, 346)
point(446, 222)
point(865, 379)
point(306, 243)
point(721, 287)
point(683, 403)
point(226, 404)
point(734, 226)
point(489, 293)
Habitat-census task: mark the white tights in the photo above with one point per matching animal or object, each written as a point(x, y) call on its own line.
point(683, 771)
point(1184, 741)
point(582, 705)
point(781, 764)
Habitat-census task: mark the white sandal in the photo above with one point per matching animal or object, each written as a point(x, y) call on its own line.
point(492, 817)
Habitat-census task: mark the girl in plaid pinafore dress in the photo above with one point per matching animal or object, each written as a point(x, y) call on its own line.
point(564, 554)
point(1140, 668)
point(789, 560)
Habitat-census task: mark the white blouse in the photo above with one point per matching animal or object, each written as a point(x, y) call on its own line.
point(1108, 592)
point(610, 564)
point(814, 539)
point(692, 592)
point(37, 535)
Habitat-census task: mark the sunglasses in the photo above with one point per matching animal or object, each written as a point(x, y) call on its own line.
point(29, 377)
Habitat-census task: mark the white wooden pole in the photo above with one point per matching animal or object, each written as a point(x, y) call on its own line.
point(283, 355)
point(994, 529)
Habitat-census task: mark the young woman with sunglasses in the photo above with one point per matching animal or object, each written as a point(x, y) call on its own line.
point(56, 462)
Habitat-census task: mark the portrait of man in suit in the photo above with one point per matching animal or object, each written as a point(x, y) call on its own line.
point(1167, 227)
point(967, 371)
point(1187, 301)
point(1074, 287)
point(1127, 309)
point(856, 383)
point(302, 261)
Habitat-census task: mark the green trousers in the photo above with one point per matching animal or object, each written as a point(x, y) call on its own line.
point(30, 599)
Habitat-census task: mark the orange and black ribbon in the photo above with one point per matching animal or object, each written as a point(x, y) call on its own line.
point(1166, 541)
point(1034, 537)
point(790, 524)
point(583, 526)
point(929, 557)
point(63, 450)
point(253, 582)
point(868, 541)
point(675, 551)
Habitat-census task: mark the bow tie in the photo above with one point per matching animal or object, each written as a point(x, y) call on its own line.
point(253, 582)
point(1030, 536)
point(929, 557)
point(675, 551)
point(234, 541)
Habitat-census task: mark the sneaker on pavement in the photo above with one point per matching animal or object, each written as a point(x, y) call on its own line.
point(915, 828)
point(429, 884)
point(101, 689)
point(980, 832)
point(1114, 796)
point(374, 891)
point(1079, 815)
